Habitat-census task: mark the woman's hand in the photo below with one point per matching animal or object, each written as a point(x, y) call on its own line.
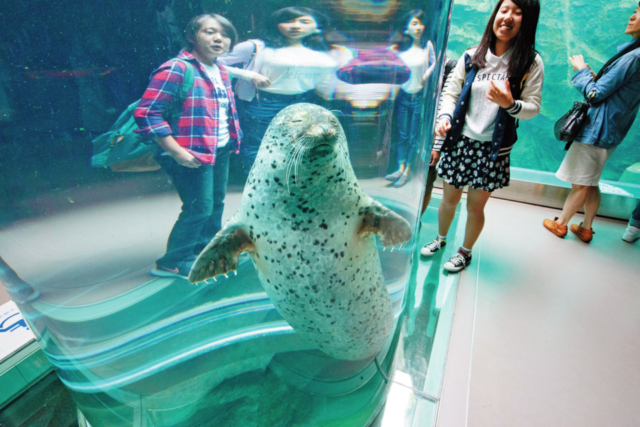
point(186, 159)
point(578, 63)
point(427, 74)
point(260, 81)
point(502, 97)
point(435, 156)
point(442, 127)
point(179, 154)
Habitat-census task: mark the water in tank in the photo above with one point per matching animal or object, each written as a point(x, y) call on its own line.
point(233, 248)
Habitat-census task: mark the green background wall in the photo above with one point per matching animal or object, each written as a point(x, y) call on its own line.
point(567, 27)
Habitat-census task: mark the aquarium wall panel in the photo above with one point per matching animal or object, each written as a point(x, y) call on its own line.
point(176, 277)
point(566, 28)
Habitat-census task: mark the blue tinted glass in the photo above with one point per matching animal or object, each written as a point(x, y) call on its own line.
point(283, 166)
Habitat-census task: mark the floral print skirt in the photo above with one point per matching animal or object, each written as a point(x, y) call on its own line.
point(469, 163)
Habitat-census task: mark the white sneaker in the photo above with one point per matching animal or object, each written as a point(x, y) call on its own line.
point(631, 234)
point(433, 247)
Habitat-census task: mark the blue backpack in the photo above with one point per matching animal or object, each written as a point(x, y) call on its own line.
point(124, 150)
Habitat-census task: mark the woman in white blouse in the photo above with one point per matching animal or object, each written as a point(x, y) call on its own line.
point(285, 68)
point(417, 52)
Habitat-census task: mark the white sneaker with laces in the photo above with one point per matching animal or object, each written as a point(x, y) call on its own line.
point(433, 247)
point(631, 234)
point(457, 262)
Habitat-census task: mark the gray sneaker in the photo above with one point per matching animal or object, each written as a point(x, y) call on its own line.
point(631, 234)
point(433, 247)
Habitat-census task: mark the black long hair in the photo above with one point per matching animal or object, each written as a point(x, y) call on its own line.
point(524, 49)
point(400, 26)
point(274, 39)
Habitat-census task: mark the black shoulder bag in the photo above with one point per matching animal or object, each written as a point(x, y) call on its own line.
point(570, 125)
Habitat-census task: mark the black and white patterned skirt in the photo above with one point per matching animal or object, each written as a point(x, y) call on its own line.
point(469, 163)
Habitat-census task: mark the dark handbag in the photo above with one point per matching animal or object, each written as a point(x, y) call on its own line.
point(570, 125)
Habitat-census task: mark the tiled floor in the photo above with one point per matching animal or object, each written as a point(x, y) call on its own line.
point(546, 331)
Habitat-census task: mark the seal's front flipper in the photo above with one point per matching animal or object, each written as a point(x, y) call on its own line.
point(388, 225)
point(221, 254)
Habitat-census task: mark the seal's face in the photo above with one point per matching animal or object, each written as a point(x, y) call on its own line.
point(312, 130)
point(303, 143)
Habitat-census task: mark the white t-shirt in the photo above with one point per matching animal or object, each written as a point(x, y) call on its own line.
point(223, 100)
point(421, 62)
point(293, 70)
point(481, 115)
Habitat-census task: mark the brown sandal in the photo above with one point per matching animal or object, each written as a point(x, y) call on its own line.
point(555, 228)
point(584, 234)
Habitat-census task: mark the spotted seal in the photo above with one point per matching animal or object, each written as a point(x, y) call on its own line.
point(309, 229)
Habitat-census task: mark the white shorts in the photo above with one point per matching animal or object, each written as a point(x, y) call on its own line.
point(583, 164)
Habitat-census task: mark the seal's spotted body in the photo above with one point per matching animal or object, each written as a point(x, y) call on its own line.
point(308, 228)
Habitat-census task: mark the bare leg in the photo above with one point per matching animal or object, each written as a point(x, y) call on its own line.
point(476, 201)
point(575, 201)
point(450, 198)
point(591, 206)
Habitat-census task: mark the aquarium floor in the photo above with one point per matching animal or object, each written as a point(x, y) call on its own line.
point(546, 331)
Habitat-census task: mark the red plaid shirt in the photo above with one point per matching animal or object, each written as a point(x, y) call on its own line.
point(198, 126)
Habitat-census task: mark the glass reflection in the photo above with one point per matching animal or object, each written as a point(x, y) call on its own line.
point(79, 242)
point(284, 68)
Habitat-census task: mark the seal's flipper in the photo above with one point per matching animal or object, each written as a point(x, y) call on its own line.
point(221, 254)
point(388, 225)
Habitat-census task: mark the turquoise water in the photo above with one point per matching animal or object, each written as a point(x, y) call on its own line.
point(135, 349)
point(566, 28)
point(170, 354)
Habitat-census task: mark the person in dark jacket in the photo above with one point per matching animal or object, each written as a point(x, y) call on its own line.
point(492, 86)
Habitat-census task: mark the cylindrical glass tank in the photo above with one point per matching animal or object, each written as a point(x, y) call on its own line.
point(77, 242)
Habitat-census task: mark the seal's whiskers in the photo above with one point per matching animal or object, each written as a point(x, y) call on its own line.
point(300, 154)
point(292, 162)
point(306, 143)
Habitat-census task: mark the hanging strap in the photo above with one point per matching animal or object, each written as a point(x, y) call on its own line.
point(188, 77)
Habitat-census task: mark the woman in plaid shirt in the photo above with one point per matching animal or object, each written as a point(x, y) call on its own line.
point(194, 149)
